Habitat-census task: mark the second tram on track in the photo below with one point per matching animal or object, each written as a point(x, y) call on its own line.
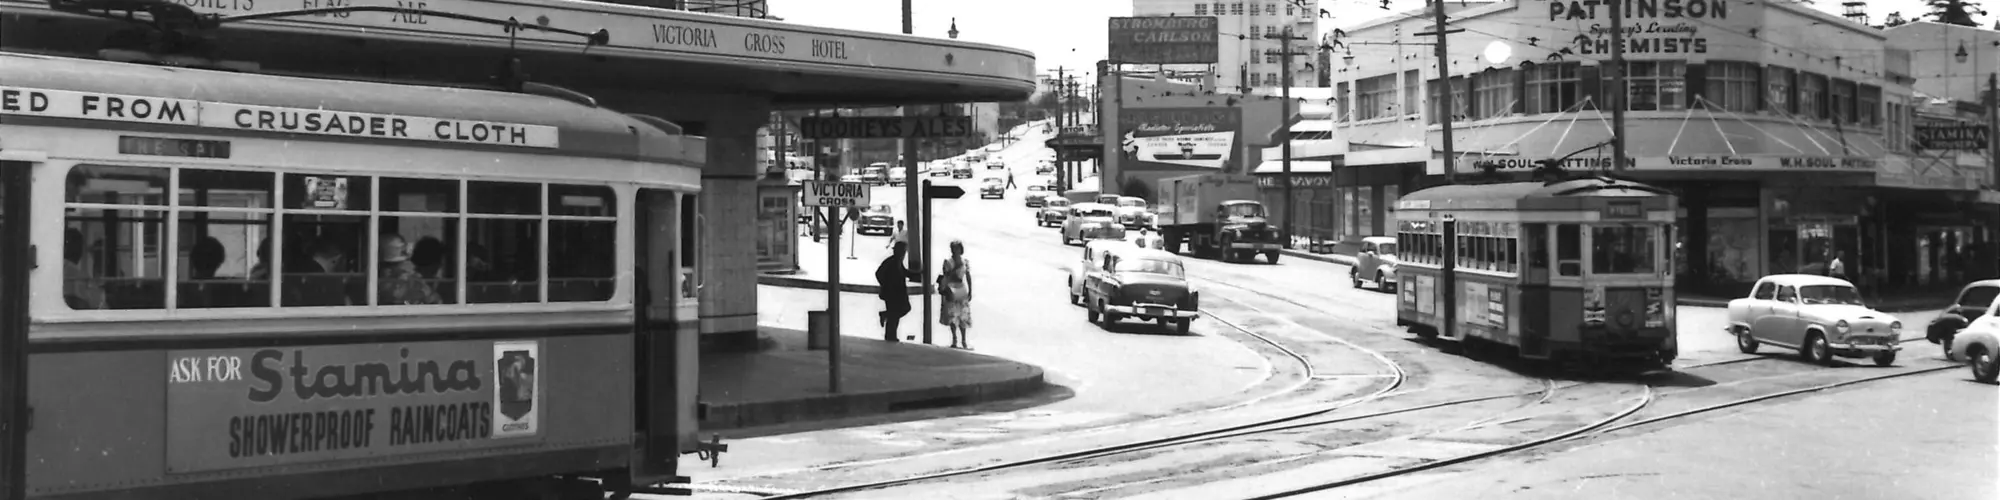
point(1580, 269)
point(251, 286)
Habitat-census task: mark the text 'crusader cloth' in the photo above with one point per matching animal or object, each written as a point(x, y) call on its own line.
point(220, 115)
point(253, 407)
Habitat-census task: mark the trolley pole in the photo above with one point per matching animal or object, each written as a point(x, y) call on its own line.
point(1285, 123)
point(833, 217)
point(1618, 96)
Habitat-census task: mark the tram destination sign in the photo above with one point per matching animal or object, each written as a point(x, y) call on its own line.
point(835, 194)
point(885, 127)
point(51, 103)
point(258, 407)
point(1163, 40)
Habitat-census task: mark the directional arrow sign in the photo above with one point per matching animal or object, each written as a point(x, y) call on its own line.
point(946, 191)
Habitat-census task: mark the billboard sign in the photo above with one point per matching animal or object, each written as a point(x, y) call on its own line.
point(884, 127)
point(258, 407)
point(1179, 138)
point(1163, 40)
point(1952, 136)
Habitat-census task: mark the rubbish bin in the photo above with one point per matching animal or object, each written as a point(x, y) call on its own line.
point(818, 330)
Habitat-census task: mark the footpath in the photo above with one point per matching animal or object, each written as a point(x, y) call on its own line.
point(786, 381)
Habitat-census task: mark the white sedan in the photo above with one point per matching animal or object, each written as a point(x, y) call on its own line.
point(1978, 344)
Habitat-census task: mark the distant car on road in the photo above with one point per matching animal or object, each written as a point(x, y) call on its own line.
point(1089, 221)
point(1968, 307)
point(1821, 317)
point(996, 165)
point(1141, 283)
point(852, 178)
point(1045, 169)
point(1133, 212)
point(878, 219)
point(1375, 263)
point(1054, 211)
point(961, 171)
point(875, 173)
point(897, 175)
point(1035, 199)
point(992, 188)
point(1977, 346)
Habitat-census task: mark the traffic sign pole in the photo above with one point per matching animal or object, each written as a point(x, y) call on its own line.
point(924, 234)
point(833, 216)
point(917, 210)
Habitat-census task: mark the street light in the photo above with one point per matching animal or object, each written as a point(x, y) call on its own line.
point(1961, 52)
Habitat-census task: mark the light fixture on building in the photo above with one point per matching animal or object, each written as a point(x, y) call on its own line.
point(1498, 52)
point(954, 29)
point(1961, 52)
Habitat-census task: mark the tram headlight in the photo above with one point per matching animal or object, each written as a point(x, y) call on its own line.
point(1840, 328)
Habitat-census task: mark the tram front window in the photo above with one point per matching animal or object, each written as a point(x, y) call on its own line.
point(1621, 250)
point(1829, 294)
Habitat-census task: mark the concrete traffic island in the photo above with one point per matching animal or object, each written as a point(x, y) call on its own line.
point(857, 275)
point(787, 383)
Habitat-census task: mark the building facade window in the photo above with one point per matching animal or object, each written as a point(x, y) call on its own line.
point(1254, 80)
point(1201, 9)
point(1342, 102)
point(1732, 85)
point(1270, 57)
point(1493, 93)
point(1553, 88)
point(1272, 79)
point(1235, 9)
point(1219, 8)
point(1459, 103)
point(1289, 11)
point(1270, 9)
point(1841, 106)
point(1780, 95)
point(1655, 85)
point(1412, 88)
point(1868, 105)
point(1812, 96)
point(1897, 131)
point(1374, 97)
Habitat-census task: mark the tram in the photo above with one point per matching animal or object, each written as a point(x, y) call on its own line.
point(252, 286)
point(1572, 270)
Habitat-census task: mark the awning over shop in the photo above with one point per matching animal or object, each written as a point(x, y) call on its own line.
point(1298, 167)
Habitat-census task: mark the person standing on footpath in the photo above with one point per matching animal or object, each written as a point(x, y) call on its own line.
point(894, 280)
point(955, 284)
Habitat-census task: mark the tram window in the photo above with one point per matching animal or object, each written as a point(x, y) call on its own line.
point(512, 198)
point(319, 254)
point(1537, 238)
point(225, 188)
point(1621, 250)
point(422, 195)
point(581, 259)
point(690, 239)
point(1513, 255)
point(223, 260)
point(581, 201)
point(327, 192)
point(413, 261)
point(1569, 250)
point(116, 261)
point(114, 185)
point(502, 260)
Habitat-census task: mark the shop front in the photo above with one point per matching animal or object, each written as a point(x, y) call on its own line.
point(777, 226)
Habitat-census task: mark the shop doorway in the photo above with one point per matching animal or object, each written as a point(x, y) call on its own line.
point(1943, 254)
point(1809, 245)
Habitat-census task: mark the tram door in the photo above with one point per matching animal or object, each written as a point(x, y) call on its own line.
point(14, 261)
point(664, 354)
point(1448, 279)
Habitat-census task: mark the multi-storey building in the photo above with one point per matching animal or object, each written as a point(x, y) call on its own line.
point(1787, 132)
point(1246, 58)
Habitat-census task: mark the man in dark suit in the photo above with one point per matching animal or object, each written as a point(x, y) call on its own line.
point(894, 280)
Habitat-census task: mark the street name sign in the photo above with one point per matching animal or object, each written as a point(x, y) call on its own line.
point(946, 191)
point(885, 127)
point(1163, 40)
point(835, 194)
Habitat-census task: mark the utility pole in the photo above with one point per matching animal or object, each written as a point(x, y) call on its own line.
point(1445, 107)
point(1062, 165)
point(1285, 122)
point(1618, 93)
point(914, 209)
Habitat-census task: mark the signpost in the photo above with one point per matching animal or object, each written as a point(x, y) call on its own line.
point(1163, 40)
point(918, 211)
point(834, 196)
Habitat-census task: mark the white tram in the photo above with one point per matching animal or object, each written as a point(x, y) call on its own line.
point(263, 287)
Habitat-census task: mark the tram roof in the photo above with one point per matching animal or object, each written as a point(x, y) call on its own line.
point(582, 130)
point(1528, 195)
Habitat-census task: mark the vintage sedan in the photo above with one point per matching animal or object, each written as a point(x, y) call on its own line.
point(1133, 212)
point(1977, 345)
point(1054, 211)
point(1089, 221)
point(1819, 316)
point(1969, 306)
point(1375, 263)
point(1088, 268)
point(878, 219)
point(992, 188)
point(1141, 283)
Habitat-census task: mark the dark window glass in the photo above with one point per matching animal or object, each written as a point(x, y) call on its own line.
point(322, 256)
point(223, 259)
point(414, 262)
point(118, 185)
point(225, 188)
point(506, 198)
point(582, 201)
point(112, 259)
point(502, 261)
point(1569, 250)
point(581, 260)
point(327, 192)
point(419, 195)
point(1621, 250)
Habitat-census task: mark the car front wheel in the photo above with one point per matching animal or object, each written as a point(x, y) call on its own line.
point(1982, 365)
point(1745, 342)
point(1885, 358)
point(1817, 351)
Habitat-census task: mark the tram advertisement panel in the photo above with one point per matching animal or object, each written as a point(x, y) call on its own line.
point(254, 407)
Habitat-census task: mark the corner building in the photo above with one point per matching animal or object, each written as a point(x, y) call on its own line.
point(1786, 132)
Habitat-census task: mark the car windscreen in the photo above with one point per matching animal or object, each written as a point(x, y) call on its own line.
point(1058, 202)
point(1829, 294)
point(1132, 203)
point(1245, 210)
point(1979, 296)
point(1386, 249)
point(1151, 266)
point(1103, 231)
point(1093, 213)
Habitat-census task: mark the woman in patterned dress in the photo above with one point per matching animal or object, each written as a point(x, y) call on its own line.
point(955, 283)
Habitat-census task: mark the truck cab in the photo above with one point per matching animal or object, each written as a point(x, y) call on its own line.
point(1217, 215)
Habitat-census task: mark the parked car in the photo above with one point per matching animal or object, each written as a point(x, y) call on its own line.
point(1378, 259)
point(992, 188)
point(1054, 211)
point(1977, 345)
point(1089, 221)
point(1141, 283)
point(1820, 317)
point(878, 219)
point(1133, 212)
point(1969, 306)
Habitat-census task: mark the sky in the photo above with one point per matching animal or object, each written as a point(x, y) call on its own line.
point(1071, 33)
